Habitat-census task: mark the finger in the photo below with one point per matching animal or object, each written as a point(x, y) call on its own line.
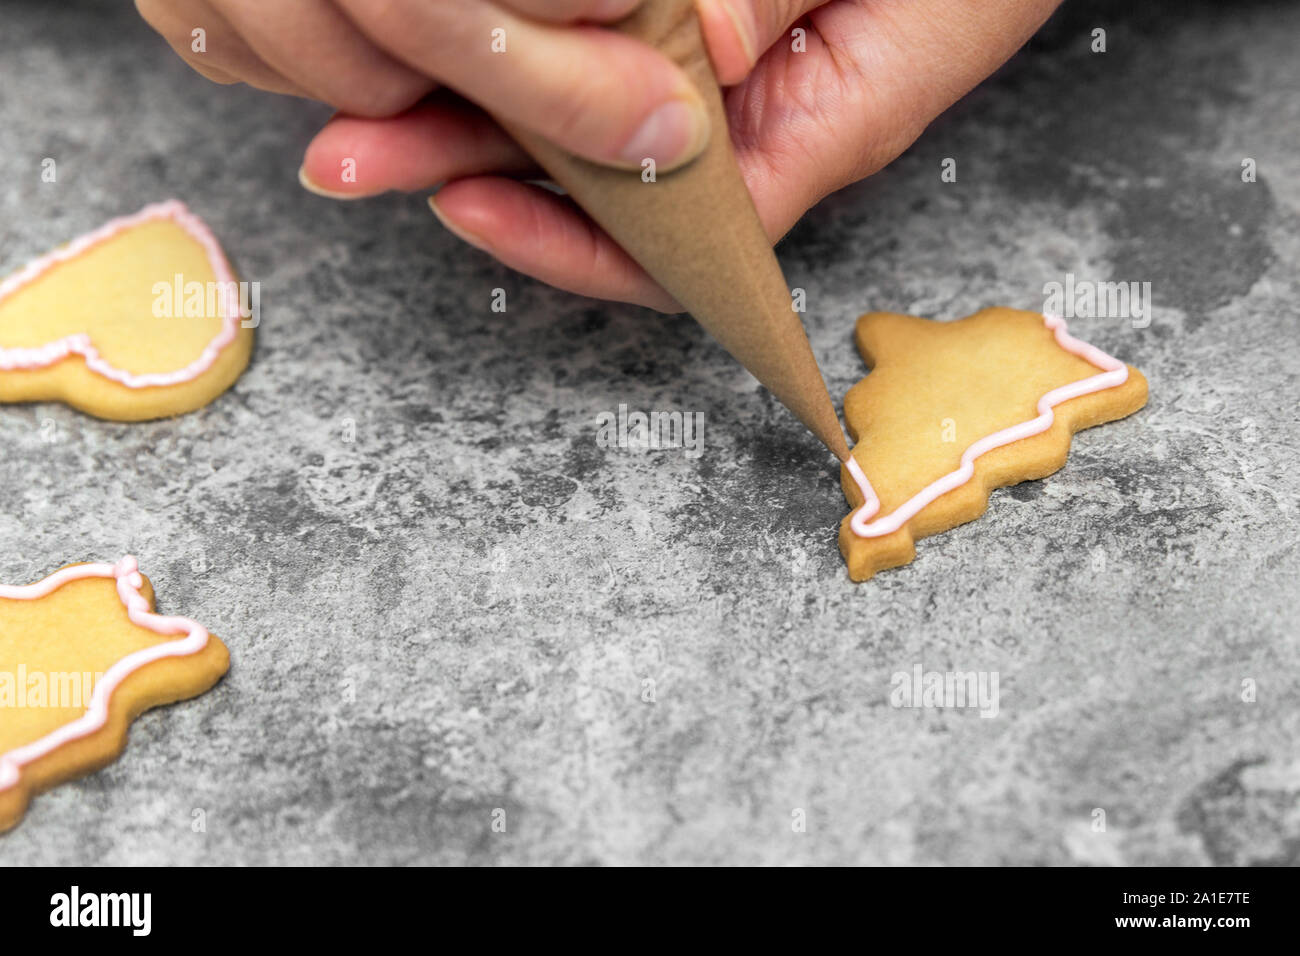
point(545, 236)
point(437, 141)
point(571, 11)
point(872, 78)
point(958, 45)
point(209, 44)
point(318, 49)
point(738, 32)
point(598, 94)
point(915, 58)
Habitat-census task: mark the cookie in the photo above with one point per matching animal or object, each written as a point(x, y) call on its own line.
point(952, 410)
point(142, 318)
point(82, 655)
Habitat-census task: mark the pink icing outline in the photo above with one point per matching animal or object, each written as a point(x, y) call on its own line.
point(1114, 372)
point(43, 356)
point(126, 573)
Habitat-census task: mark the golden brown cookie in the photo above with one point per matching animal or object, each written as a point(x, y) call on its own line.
point(952, 410)
point(82, 655)
point(142, 318)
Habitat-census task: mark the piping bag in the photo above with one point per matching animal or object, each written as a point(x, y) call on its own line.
point(696, 231)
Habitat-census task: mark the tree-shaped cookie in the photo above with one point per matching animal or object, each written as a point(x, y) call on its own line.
point(82, 655)
point(952, 410)
point(142, 318)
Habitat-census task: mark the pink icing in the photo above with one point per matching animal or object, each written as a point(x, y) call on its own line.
point(126, 573)
point(14, 359)
point(1114, 372)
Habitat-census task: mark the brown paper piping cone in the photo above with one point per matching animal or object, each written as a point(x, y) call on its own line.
point(697, 232)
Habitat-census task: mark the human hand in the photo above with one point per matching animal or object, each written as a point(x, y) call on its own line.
point(874, 74)
point(597, 93)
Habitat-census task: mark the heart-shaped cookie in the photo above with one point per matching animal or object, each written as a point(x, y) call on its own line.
point(142, 318)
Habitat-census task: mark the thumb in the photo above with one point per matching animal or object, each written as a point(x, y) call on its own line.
point(595, 92)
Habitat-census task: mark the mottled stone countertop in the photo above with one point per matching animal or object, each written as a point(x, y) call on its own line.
point(460, 612)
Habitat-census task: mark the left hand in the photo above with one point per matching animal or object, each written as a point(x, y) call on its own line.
point(874, 74)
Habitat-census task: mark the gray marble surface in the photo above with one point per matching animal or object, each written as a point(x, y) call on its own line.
point(453, 618)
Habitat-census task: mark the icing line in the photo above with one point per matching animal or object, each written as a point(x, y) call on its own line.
point(1114, 372)
point(127, 575)
point(22, 359)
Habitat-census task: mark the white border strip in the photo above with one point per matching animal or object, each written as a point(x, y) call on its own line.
point(129, 582)
point(24, 359)
point(1114, 373)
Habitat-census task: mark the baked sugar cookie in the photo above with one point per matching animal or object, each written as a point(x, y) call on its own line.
point(952, 410)
point(82, 655)
point(142, 318)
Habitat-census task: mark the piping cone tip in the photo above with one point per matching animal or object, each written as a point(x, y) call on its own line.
point(696, 231)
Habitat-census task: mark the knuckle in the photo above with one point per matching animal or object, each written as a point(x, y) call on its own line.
point(378, 98)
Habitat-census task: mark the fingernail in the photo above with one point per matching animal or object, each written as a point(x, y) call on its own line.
point(319, 190)
point(745, 28)
point(456, 230)
point(673, 134)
